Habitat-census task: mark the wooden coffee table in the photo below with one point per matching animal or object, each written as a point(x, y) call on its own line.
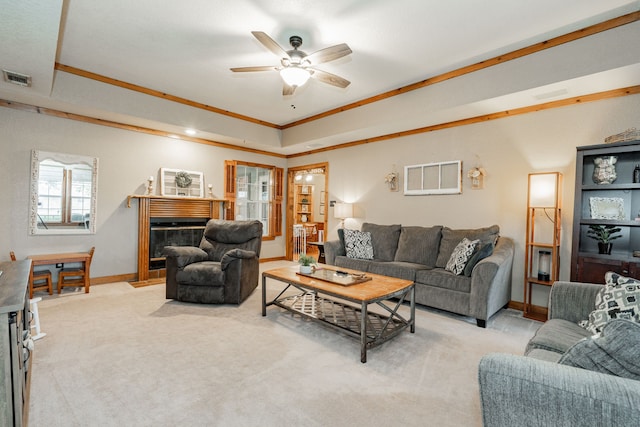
point(346, 307)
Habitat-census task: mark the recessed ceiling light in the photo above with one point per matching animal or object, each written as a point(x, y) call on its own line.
point(190, 132)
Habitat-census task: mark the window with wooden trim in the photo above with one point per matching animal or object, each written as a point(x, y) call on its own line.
point(255, 191)
point(64, 193)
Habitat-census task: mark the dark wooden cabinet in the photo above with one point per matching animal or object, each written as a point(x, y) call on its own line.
point(16, 344)
point(616, 203)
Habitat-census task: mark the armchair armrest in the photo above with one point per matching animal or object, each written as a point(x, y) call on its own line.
point(185, 255)
point(236, 254)
point(572, 301)
point(518, 390)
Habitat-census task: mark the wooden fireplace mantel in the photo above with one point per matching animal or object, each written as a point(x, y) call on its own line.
point(150, 206)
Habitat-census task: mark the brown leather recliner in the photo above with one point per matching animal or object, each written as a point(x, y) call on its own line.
point(223, 269)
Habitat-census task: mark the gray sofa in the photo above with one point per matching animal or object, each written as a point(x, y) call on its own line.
point(536, 390)
point(420, 254)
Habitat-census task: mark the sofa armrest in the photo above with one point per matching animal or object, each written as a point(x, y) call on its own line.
point(332, 249)
point(491, 281)
point(572, 301)
point(185, 255)
point(518, 390)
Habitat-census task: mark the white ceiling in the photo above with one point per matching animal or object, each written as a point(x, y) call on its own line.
point(186, 48)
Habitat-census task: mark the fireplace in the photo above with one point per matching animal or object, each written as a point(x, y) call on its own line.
point(172, 232)
point(166, 221)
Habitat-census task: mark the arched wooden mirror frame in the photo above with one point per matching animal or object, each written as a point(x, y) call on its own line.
point(39, 224)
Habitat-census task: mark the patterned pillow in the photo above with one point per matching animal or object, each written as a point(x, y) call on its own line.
point(460, 255)
point(358, 244)
point(618, 299)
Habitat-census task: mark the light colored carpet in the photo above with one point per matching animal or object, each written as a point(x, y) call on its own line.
point(121, 356)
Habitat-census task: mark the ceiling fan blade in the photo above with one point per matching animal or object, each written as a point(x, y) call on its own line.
point(329, 78)
point(270, 44)
point(328, 54)
point(287, 90)
point(248, 69)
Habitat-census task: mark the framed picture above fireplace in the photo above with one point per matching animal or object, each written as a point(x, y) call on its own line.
point(181, 183)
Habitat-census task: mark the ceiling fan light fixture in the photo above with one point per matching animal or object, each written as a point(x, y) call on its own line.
point(294, 75)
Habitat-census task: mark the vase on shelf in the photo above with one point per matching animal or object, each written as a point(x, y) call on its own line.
point(604, 248)
point(605, 170)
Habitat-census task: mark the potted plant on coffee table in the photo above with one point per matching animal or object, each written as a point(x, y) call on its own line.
point(307, 263)
point(604, 234)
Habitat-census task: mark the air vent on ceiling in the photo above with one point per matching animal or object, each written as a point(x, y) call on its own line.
point(17, 78)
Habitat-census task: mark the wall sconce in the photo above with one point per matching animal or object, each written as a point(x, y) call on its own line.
point(544, 190)
point(391, 179)
point(343, 211)
point(476, 175)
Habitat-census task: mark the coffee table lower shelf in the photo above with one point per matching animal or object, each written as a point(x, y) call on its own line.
point(344, 317)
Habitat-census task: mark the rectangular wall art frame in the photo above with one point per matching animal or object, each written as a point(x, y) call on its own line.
point(433, 178)
point(181, 183)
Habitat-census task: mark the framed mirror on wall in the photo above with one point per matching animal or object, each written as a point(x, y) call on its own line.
point(63, 193)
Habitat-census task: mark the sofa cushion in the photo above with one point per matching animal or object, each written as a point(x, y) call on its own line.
point(481, 253)
point(614, 351)
point(358, 244)
point(618, 299)
point(556, 335)
point(400, 270)
point(451, 238)
point(540, 354)
point(441, 278)
point(384, 239)
point(419, 245)
point(353, 263)
point(460, 255)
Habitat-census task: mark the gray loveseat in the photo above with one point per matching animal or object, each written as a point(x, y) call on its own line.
point(535, 390)
point(420, 254)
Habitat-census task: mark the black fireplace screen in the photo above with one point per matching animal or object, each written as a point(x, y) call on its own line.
point(178, 232)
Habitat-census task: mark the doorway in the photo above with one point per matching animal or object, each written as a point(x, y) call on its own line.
point(307, 209)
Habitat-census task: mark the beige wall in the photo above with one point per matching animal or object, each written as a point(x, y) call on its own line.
point(508, 149)
point(126, 160)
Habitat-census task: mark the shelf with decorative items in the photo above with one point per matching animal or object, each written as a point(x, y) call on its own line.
point(303, 203)
point(606, 223)
point(542, 248)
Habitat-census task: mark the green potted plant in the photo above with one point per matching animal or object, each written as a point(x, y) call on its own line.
point(604, 234)
point(307, 263)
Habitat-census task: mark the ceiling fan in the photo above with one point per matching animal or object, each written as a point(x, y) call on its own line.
point(296, 66)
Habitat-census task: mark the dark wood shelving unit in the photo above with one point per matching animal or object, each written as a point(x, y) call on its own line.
point(587, 264)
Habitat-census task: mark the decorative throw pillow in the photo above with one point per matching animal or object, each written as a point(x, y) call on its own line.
point(618, 299)
point(614, 351)
point(460, 255)
point(450, 238)
point(481, 253)
point(358, 244)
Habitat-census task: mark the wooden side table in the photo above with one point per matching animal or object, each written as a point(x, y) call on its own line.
point(320, 246)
